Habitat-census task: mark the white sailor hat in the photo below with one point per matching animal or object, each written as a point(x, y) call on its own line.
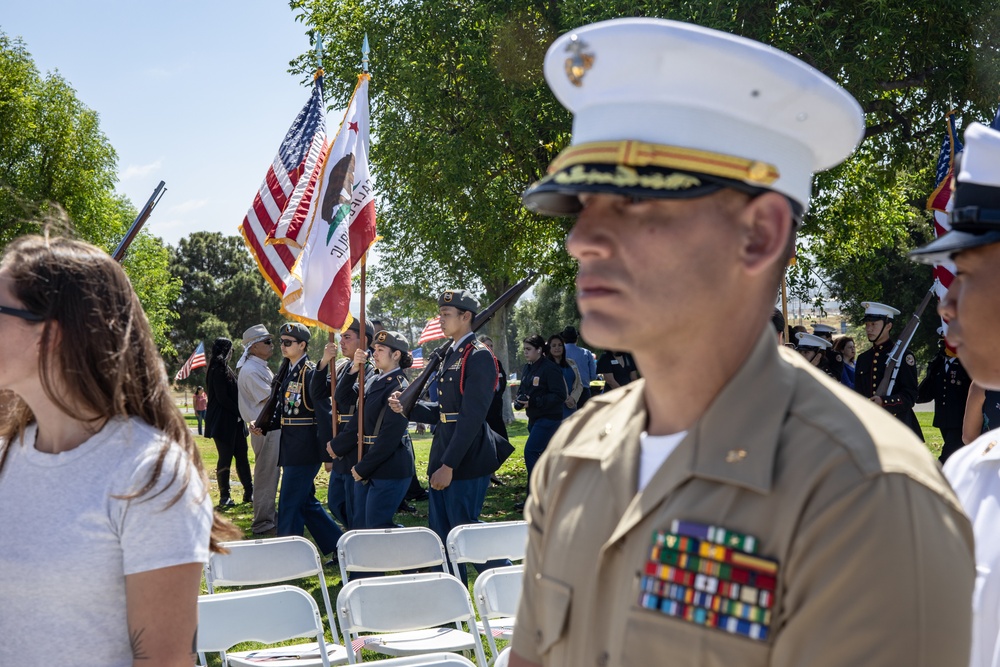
point(675, 110)
point(878, 311)
point(975, 216)
point(824, 329)
point(807, 340)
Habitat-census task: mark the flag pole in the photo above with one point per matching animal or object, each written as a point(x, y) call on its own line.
point(361, 371)
point(333, 361)
point(361, 323)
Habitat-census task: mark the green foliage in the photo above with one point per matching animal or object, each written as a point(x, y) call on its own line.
point(57, 167)
point(549, 312)
point(222, 294)
point(403, 308)
point(463, 122)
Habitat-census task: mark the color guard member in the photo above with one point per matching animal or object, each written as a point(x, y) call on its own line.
point(870, 367)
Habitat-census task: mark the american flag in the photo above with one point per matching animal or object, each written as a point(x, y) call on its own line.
point(418, 358)
point(432, 331)
point(274, 228)
point(196, 360)
point(939, 201)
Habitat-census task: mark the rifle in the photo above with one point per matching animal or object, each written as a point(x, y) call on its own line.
point(899, 349)
point(265, 418)
point(410, 395)
point(140, 220)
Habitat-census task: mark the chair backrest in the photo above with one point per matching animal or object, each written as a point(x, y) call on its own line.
point(482, 542)
point(268, 561)
point(388, 550)
point(266, 615)
point(497, 591)
point(403, 602)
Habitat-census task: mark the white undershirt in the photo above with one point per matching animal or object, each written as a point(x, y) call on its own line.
point(655, 450)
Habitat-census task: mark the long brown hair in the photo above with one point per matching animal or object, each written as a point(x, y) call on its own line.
point(107, 364)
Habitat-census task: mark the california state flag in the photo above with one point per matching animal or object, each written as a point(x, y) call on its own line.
point(341, 226)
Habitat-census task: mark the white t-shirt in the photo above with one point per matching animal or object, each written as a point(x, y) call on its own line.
point(66, 544)
point(655, 450)
point(974, 473)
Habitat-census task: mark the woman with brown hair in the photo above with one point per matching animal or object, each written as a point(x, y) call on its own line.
point(104, 512)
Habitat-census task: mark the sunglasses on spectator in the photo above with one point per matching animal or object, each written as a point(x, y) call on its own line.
point(23, 314)
point(267, 341)
point(288, 343)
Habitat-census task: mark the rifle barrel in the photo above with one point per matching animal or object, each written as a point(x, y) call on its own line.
point(140, 220)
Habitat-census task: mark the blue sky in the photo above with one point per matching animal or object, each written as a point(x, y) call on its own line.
point(194, 93)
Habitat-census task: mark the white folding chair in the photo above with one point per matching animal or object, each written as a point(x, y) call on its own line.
point(388, 550)
point(503, 659)
point(497, 593)
point(265, 615)
point(479, 543)
point(428, 660)
point(405, 612)
point(269, 561)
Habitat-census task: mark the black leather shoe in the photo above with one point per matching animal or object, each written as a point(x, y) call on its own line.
point(519, 506)
point(226, 503)
point(407, 507)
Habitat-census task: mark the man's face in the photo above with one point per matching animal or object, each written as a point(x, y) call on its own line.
point(262, 348)
point(649, 268)
point(452, 320)
point(972, 310)
point(291, 348)
point(877, 331)
point(349, 342)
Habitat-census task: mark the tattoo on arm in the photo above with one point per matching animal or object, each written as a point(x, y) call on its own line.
point(135, 642)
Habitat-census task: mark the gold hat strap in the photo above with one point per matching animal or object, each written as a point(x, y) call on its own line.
point(641, 154)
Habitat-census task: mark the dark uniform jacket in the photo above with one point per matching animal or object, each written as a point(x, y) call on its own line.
point(544, 385)
point(222, 418)
point(299, 439)
point(948, 389)
point(346, 398)
point(386, 455)
point(868, 372)
point(495, 415)
point(461, 439)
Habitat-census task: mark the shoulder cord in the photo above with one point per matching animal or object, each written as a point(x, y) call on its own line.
point(461, 374)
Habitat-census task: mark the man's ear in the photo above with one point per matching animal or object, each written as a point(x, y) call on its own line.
point(766, 223)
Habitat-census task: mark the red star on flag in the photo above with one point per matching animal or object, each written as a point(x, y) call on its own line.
point(353, 126)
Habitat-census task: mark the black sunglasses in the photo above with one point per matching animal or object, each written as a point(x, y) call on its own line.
point(267, 341)
point(23, 314)
point(288, 343)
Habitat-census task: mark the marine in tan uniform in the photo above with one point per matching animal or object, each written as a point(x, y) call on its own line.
point(736, 507)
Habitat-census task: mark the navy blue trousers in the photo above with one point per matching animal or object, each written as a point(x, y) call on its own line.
point(376, 501)
point(456, 505)
point(299, 509)
point(340, 498)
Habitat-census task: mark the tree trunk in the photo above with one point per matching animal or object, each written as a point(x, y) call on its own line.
point(497, 329)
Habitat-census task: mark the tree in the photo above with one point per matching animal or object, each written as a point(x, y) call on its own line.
point(549, 312)
point(222, 293)
point(464, 122)
point(57, 167)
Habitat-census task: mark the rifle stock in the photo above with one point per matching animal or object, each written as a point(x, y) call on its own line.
point(899, 349)
point(408, 398)
point(265, 419)
point(140, 220)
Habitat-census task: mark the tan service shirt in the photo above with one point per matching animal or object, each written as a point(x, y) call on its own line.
point(875, 556)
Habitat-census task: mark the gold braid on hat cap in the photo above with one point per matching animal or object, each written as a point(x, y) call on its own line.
point(641, 154)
